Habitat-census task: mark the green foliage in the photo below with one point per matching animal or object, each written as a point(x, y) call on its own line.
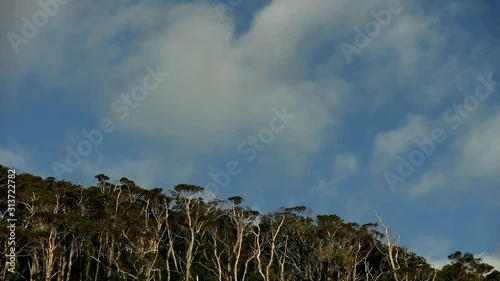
point(123, 232)
point(465, 267)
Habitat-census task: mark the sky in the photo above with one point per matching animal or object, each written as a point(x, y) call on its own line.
point(347, 107)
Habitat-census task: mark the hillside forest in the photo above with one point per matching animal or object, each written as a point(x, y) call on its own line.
point(121, 231)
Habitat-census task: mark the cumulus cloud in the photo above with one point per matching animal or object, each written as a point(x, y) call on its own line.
point(389, 144)
point(144, 171)
point(222, 84)
point(428, 182)
point(14, 159)
point(19, 159)
point(345, 165)
point(226, 89)
point(479, 153)
point(434, 248)
point(491, 259)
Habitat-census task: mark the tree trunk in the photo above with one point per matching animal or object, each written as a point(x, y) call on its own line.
point(70, 262)
point(98, 260)
point(49, 259)
point(189, 256)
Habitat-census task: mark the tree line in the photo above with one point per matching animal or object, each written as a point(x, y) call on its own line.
point(121, 231)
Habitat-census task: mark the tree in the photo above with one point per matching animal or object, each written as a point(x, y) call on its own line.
point(404, 264)
point(197, 213)
point(65, 232)
point(465, 267)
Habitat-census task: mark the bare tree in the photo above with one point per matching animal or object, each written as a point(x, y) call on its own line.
point(405, 266)
point(197, 214)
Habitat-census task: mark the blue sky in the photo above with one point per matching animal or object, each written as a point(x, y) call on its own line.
point(220, 72)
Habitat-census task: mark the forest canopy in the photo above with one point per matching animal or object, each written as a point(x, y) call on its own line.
point(120, 231)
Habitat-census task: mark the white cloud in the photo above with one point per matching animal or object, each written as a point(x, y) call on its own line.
point(345, 165)
point(429, 181)
point(491, 259)
point(434, 248)
point(221, 86)
point(16, 159)
point(407, 38)
point(387, 145)
point(487, 258)
point(224, 86)
point(227, 88)
point(479, 152)
point(145, 172)
point(420, 64)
